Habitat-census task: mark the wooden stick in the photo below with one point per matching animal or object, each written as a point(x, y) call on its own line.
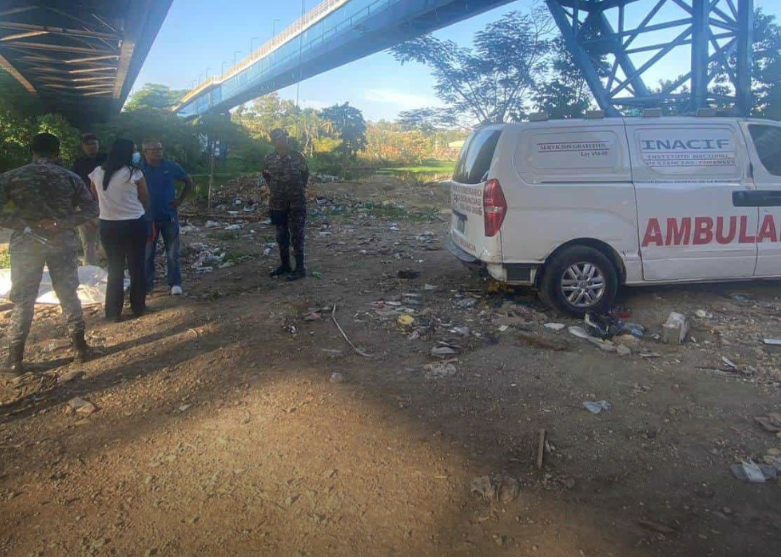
point(357, 350)
point(541, 449)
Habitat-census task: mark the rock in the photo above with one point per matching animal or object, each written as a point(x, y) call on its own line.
point(627, 340)
point(81, 406)
point(70, 376)
point(675, 329)
point(442, 352)
point(439, 370)
point(623, 350)
point(336, 377)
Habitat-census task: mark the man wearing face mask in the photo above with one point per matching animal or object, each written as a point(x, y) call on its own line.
point(83, 166)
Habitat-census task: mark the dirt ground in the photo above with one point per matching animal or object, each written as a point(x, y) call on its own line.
point(221, 428)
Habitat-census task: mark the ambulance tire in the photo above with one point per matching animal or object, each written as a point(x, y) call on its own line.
point(551, 287)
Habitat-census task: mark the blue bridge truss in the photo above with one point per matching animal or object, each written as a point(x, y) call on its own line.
point(617, 44)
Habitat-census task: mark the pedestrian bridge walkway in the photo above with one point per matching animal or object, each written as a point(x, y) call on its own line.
point(332, 34)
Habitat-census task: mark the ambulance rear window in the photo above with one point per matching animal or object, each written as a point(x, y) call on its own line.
point(474, 162)
point(767, 140)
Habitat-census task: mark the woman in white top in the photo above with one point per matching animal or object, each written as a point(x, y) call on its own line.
point(122, 195)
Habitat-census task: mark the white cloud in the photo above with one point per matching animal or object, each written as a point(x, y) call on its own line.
point(317, 105)
point(400, 99)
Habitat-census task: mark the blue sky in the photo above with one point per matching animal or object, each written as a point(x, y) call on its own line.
point(199, 36)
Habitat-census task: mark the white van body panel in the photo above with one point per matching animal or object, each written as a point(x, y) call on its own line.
point(680, 199)
point(685, 172)
point(567, 182)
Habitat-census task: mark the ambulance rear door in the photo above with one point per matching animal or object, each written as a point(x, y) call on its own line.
point(686, 173)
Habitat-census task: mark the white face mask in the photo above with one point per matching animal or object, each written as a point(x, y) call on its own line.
point(136, 158)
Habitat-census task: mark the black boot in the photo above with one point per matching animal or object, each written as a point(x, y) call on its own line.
point(300, 271)
point(80, 348)
point(14, 367)
point(284, 268)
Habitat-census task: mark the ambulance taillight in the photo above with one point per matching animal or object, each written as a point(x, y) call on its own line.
point(494, 207)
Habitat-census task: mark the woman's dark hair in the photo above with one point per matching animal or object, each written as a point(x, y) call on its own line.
point(120, 156)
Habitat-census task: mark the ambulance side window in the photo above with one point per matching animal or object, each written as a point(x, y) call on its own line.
point(476, 156)
point(767, 140)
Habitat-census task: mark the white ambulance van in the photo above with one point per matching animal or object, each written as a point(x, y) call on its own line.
point(578, 208)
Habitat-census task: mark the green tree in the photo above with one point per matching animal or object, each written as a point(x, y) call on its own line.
point(493, 80)
point(767, 66)
point(349, 127)
point(153, 95)
point(564, 93)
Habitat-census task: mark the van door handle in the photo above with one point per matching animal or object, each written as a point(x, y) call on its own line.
point(751, 170)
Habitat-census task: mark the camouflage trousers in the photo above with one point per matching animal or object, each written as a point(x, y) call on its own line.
point(28, 258)
point(288, 214)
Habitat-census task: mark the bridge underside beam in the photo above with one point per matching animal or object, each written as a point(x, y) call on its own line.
point(622, 45)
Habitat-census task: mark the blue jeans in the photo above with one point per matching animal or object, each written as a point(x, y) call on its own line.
point(169, 230)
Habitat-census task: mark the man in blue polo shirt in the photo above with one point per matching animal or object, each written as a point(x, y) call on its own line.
point(161, 175)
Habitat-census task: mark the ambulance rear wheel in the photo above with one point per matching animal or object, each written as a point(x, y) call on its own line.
point(580, 279)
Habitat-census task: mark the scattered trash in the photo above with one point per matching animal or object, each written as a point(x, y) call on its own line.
point(729, 363)
point(405, 320)
point(439, 370)
point(657, 527)
point(233, 227)
point(443, 352)
point(702, 314)
point(650, 355)
point(462, 331)
point(336, 377)
point(675, 329)
point(408, 274)
point(623, 350)
point(751, 472)
point(555, 326)
point(772, 341)
point(212, 224)
point(269, 248)
point(429, 287)
point(81, 406)
point(602, 326)
point(502, 489)
point(579, 332)
point(317, 274)
point(203, 270)
point(770, 422)
point(598, 406)
point(466, 303)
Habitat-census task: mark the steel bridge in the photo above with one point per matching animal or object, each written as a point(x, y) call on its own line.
point(618, 45)
point(80, 57)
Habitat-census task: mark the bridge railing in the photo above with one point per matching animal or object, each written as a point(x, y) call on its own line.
point(283, 51)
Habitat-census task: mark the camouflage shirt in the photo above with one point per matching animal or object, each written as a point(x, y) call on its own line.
point(44, 191)
point(289, 173)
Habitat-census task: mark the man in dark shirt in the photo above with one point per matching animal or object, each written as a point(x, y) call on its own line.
point(83, 167)
point(42, 203)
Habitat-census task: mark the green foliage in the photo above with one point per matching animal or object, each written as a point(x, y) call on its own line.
point(493, 80)
point(153, 95)
point(347, 125)
point(767, 66)
point(5, 259)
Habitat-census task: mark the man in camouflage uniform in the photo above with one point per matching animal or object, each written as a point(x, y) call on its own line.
point(287, 175)
point(43, 203)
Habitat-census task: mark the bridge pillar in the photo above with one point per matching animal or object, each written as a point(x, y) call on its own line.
point(625, 47)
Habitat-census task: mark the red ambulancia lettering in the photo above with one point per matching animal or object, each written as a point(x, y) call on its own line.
point(678, 234)
point(733, 228)
point(703, 231)
point(699, 231)
point(767, 230)
point(744, 238)
point(653, 234)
